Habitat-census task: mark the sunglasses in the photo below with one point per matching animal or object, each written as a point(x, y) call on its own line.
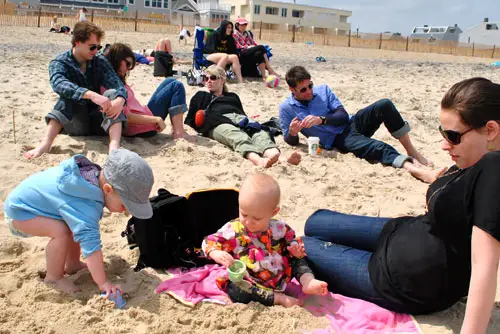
point(95, 46)
point(451, 136)
point(130, 66)
point(304, 89)
point(211, 77)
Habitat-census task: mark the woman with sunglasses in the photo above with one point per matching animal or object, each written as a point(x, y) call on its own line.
point(221, 49)
point(429, 262)
point(251, 55)
point(169, 98)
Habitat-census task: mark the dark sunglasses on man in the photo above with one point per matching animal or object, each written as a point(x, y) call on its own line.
point(304, 89)
point(92, 47)
point(211, 77)
point(451, 136)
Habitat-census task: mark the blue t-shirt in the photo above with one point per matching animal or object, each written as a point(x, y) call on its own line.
point(324, 102)
point(61, 193)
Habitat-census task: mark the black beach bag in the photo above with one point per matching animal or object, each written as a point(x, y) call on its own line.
point(163, 65)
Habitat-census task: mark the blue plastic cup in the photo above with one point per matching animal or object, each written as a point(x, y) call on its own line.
point(119, 300)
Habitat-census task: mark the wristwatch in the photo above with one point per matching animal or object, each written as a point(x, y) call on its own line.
point(323, 120)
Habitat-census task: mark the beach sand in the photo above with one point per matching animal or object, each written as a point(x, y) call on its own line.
point(414, 82)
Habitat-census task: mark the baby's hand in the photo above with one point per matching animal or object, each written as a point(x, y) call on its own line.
point(222, 257)
point(109, 288)
point(297, 249)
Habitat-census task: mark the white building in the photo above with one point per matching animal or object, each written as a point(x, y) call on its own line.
point(485, 33)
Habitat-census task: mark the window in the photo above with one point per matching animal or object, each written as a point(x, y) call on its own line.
point(131, 2)
point(233, 10)
point(112, 1)
point(283, 12)
point(271, 11)
point(343, 18)
point(297, 13)
point(491, 27)
point(156, 3)
point(98, 0)
point(256, 9)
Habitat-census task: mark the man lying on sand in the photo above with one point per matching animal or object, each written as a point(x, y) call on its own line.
point(218, 113)
point(317, 112)
point(76, 75)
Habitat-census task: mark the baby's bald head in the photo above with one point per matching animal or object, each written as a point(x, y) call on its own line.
point(261, 188)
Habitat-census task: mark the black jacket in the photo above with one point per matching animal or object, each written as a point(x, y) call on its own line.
point(220, 42)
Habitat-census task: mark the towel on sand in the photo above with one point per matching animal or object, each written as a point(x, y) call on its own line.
point(346, 315)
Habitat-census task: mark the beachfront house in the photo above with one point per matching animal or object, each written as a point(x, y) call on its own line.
point(430, 34)
point(283, 16)
point(485, 33)
point(187, 12)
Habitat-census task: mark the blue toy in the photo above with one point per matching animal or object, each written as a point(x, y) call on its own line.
point(119, 300)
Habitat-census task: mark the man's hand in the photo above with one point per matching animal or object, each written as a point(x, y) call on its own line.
point(295, 127)
point(311, 121)
point(109, 288)
point(160, 124)
point(221, 257)
point(101, 101)
point(116, 108)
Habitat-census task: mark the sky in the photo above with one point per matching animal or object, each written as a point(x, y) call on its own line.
point(402, 15)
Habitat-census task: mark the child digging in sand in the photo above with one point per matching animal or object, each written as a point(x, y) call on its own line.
point(267, 246)
point(65, 203)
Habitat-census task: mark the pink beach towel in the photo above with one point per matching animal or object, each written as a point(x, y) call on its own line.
point(346, 315)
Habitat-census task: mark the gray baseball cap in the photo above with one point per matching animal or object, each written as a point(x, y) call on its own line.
point(132, 178)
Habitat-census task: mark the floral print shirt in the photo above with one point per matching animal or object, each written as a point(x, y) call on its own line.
point(265, 253)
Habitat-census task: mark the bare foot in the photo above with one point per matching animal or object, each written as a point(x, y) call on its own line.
point(294, 158)
point(421, 159)
point(284, 300)
point(272, 154)
point(315, 287)
point(63, 284)
point(42, 148)
point(178, 135)
point(73, 269)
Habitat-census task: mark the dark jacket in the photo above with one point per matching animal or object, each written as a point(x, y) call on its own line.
point(220, 42)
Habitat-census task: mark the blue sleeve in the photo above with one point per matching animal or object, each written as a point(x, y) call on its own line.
point(83, 220)
point(286, 116)
point(110, 79)
point(333, 100)
point(61, 84)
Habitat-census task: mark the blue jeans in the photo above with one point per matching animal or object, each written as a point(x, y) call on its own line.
point(356, 138)
point(168, 98)
point(339, 247)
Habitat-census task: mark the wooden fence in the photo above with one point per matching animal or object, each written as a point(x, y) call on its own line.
point(133, 22)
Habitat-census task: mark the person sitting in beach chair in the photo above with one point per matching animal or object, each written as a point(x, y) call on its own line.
point(168, 99)
point(426, 263)
point(251, 55)
point(219, 114)
point(76, 76)
point(266, 246)
point(221, 49)
point(315, 111)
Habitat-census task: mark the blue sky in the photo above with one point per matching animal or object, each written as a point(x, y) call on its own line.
point(402, 15)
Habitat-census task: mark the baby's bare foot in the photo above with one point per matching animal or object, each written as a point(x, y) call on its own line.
point(284, 300)
point(315, 287)
point(63, 284)
point(37, 151)
point(73, 269)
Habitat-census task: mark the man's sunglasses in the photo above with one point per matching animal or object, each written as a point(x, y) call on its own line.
point(304, 89)
point(451, 136)
point(211, 77)
point(95, 46)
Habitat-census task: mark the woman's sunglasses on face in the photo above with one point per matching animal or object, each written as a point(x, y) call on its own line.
point(451, 136)
point(130, 66)
point(93, 47)
point(211, 77)
point(304, 89)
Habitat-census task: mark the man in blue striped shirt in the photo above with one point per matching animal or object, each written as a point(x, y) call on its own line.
point(76, 76)
point(315, 111)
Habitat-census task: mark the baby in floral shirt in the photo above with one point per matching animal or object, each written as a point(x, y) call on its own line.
point(267, 246)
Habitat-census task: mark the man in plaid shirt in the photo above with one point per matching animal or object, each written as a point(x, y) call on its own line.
point(76, 76)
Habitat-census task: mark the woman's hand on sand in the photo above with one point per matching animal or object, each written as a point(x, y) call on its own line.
point(110, 288)
point(222, 257)
point(160, 124)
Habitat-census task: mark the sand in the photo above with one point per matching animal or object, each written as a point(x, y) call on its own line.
point(415, 82)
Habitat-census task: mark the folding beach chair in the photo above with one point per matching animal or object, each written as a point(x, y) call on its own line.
point(199, 61)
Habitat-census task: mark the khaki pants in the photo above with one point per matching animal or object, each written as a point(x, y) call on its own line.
point(238, 140)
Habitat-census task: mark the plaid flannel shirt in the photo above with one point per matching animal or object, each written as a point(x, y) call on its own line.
point(67, 80)
point(243, 41)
